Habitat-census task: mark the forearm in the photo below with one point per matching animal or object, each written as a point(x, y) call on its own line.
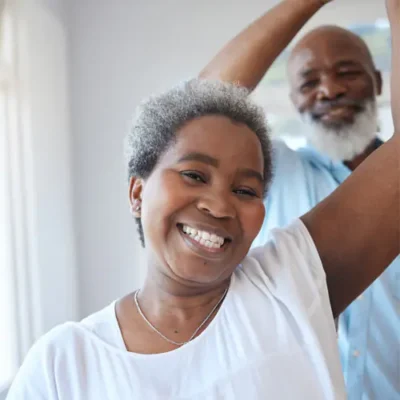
point(247, 57)
point(357, 228)
point(393, 7)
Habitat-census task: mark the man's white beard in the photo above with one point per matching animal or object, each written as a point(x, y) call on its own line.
point(347, 142)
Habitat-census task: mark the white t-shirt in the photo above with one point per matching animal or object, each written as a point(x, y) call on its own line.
point(273, 338)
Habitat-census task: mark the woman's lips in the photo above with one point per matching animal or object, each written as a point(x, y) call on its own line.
point(201, 249)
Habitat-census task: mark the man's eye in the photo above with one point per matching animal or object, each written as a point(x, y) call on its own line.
point(194, 176)
point(309, 84)
point(349, 73)
point(246, 192)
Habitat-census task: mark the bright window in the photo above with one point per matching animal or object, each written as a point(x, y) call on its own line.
point(8, 325)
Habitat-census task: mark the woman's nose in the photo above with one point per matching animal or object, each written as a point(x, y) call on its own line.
point(217, 205)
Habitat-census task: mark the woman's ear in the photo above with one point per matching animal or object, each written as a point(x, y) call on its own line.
point(135, 195)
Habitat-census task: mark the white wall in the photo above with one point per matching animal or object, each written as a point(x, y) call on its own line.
point(121, 51)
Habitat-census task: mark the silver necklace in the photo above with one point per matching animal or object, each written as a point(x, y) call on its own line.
point(163, 336)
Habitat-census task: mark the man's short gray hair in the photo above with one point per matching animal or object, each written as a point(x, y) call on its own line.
point(158, 119)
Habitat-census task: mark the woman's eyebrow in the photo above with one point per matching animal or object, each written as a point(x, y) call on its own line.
point(201, 157)
point(251, 173)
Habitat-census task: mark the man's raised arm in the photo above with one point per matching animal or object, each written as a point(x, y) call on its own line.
point(248, 56)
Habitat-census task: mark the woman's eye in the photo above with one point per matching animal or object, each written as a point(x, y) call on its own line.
point(194, 176)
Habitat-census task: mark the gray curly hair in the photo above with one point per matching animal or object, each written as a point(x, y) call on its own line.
point(158, 119)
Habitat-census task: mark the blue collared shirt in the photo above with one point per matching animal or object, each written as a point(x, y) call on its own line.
point(369, 329)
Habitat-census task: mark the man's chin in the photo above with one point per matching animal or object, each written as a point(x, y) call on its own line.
point(340, 145)
point(342, 140)
point(335, 126)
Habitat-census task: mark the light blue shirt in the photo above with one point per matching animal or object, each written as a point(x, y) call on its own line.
point(369, 329)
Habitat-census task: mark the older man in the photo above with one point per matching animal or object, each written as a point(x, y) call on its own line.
point(334, 86)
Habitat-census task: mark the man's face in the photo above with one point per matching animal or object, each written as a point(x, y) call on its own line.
point(334, 86)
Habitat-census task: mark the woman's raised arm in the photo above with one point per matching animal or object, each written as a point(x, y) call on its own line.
point(357, 228)
point(247, 57)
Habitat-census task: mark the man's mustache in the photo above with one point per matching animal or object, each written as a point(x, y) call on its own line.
point(325, 106)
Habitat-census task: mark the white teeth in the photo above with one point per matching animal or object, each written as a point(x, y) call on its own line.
point(205, 238)
point(205, 235)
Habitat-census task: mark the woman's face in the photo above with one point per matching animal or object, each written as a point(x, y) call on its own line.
point(202, 206)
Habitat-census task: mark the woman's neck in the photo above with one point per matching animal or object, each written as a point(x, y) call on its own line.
point(161, 296)
point(178, 313)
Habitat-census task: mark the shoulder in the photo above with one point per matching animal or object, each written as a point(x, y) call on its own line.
point(62, 349)
point(63, 338)
point(281, 150)
point(288, 164)
point(57, 339)
point(290, 244)
point(288, 263)
point(69, 334)
point(59, 343)
point(36, 379)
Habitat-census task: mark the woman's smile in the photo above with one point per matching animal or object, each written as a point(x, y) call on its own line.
point(205, 242)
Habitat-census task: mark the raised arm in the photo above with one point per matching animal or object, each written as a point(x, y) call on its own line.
point(357, 228)
point(247, 57)
point(393, 9)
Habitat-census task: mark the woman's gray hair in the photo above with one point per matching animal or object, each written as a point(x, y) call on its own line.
point(158, 119)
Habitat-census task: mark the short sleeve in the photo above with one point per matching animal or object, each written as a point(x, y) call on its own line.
point(36, 379)
point(290, 267)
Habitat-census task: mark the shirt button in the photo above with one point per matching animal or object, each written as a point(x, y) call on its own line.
point(356, 353)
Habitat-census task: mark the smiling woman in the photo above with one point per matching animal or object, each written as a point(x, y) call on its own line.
point(213, 172)
point(158, 119)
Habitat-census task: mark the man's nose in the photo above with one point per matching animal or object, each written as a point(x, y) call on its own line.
point(330, 89)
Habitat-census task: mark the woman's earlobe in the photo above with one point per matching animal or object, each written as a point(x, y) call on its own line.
point(136, 208)
point(135, 196)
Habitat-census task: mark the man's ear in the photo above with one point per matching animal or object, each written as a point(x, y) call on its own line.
point(135, 195)
point(294, 99)
point(379, 82)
